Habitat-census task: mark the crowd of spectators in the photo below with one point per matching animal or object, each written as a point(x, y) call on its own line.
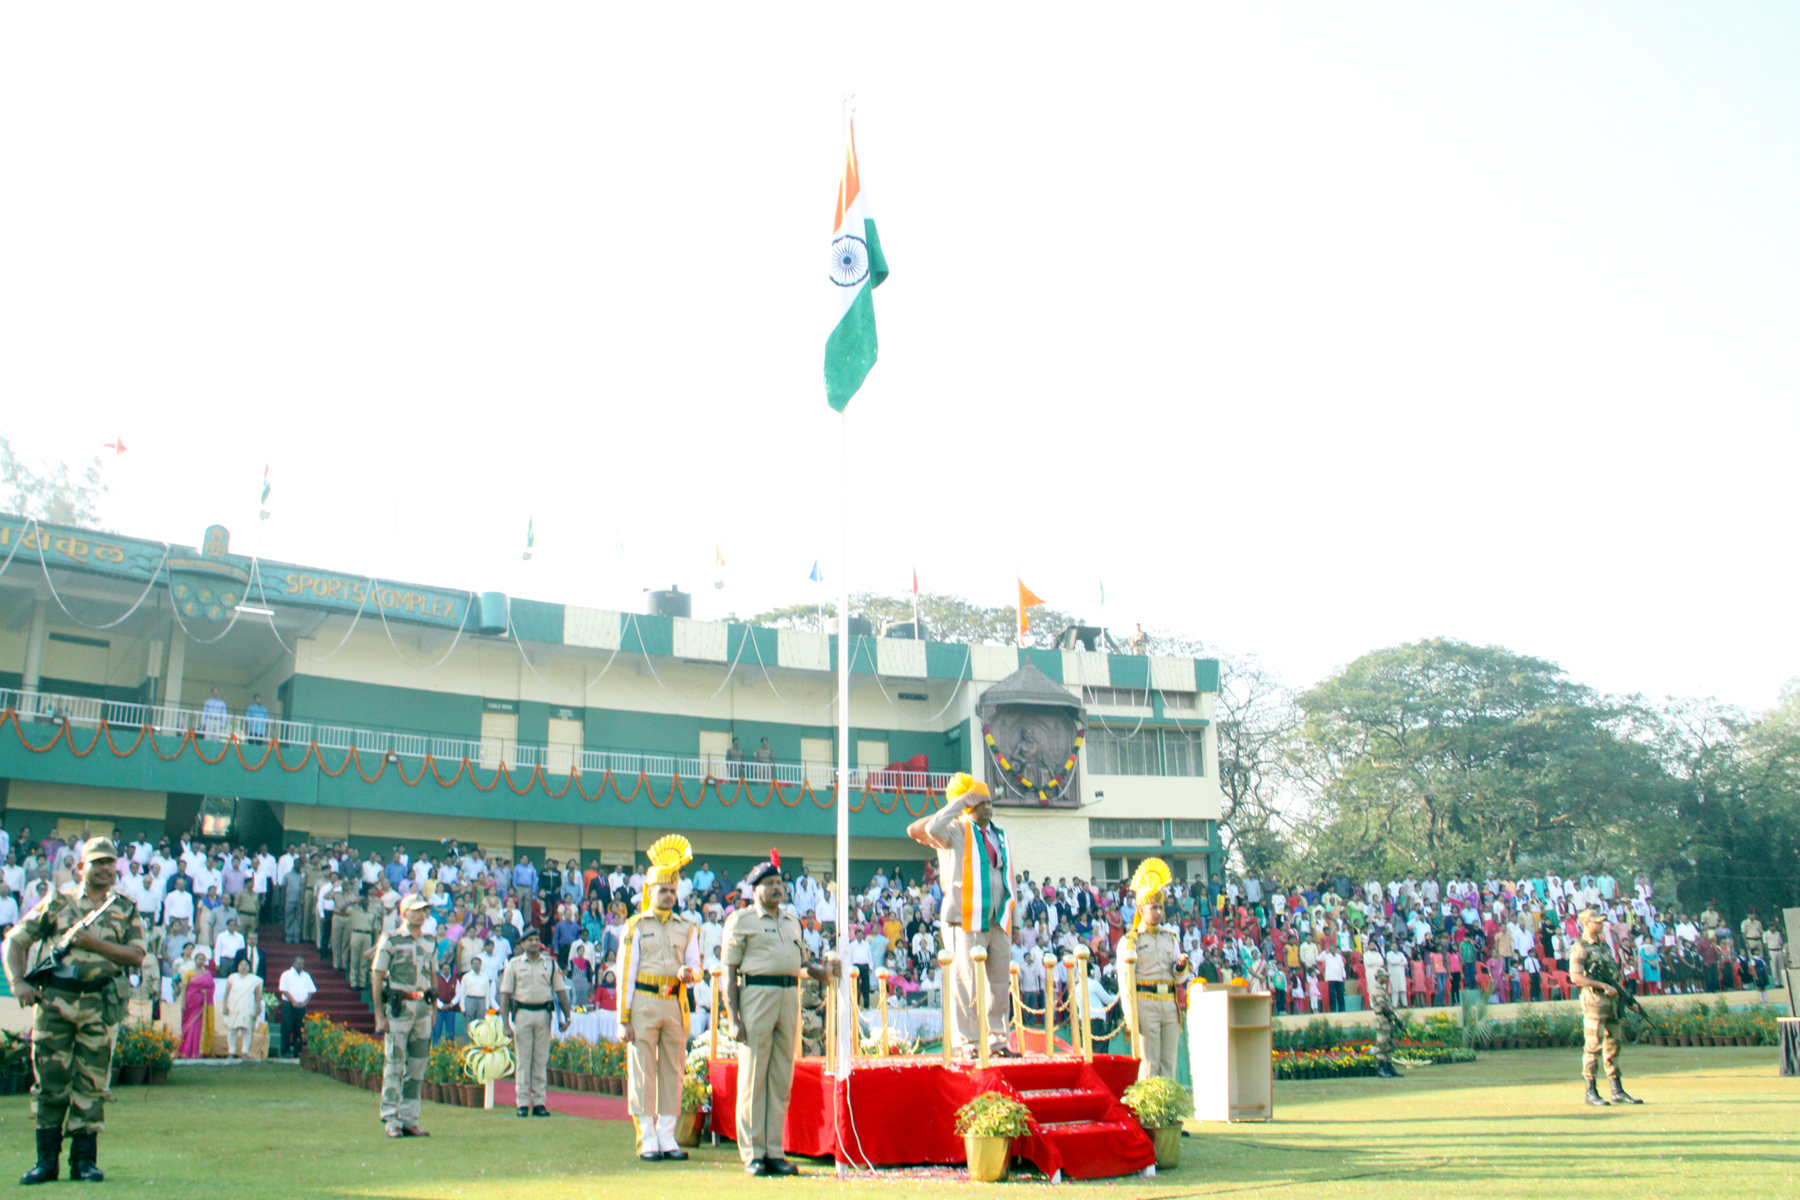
point(1315, 945)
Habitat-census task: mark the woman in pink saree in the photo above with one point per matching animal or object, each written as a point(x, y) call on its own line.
point(196, 1007)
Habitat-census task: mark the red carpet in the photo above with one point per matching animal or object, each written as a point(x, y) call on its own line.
point(591, 1105)
point(902, 1110)
point(335, 998)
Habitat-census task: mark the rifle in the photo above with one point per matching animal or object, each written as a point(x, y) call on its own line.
point(1631, 1002)
point(50, 962)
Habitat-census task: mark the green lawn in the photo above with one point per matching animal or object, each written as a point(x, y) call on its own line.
point(1718, 1122)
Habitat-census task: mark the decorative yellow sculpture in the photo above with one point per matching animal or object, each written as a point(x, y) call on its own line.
point(489, 1057)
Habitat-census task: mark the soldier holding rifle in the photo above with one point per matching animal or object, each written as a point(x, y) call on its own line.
point(1603, 996)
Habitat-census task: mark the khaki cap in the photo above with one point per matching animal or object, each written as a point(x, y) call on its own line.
point(98, 848)
point(414, 901)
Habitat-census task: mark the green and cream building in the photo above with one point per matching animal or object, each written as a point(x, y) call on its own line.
point(407, 713)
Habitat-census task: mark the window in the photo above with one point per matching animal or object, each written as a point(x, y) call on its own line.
point(1192, 831)
point(1108, 697)
point(871, 756)
point(563, 753)
point(1116, 829)
point(1106, 870)
point(1184, 752)
point(499, 738)
point(1110, 753)
point(1181, 699)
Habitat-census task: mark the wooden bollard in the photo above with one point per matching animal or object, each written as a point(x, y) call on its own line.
point(1068, 962)
point(1087, 1021)
point(1049, 1005)
point(1018, 1003)
point(1128, 1001)
point(881, 981)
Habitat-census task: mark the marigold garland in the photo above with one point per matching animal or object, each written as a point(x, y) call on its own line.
point(1014, 776)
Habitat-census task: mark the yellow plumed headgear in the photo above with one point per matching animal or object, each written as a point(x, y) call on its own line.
point(668, 855)
point(961, 784)
point(1153, 875)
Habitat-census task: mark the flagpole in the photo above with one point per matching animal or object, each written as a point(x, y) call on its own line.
point(846, 1009)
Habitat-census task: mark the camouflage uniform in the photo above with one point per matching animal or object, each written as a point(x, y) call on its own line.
point(410, 963)
point(812, 1018)
point(1599, 1011)
point(1387, 1021)
point(76, 1021)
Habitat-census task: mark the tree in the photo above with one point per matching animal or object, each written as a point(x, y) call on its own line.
point(50, 493)
point(947, 618)
point(1257, 721)
point(1449, 758)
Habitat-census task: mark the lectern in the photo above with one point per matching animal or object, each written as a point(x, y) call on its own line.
point(1231, 1054)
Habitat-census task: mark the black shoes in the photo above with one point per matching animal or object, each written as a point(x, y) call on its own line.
point(49, 1160)
point(539, 1111)
point(1618, 1096)
point(652, 1156)
point(83, 1148)
point(1593, 1095)
point(779, 1166)
point(524, 1111)
point(756, 1166)
point(1386, 1071)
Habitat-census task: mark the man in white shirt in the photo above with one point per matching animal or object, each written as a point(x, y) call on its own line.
point(475, 990)
point(178, 904)
point(9, 908)
point(806, 895)
point(1332, 964)
point(296, 988)
point(13, 875)
point(227, 943)
point(1397, 973)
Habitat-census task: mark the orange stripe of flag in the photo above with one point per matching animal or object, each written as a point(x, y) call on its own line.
point(850, 186)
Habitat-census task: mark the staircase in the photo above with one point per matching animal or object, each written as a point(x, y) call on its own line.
point(1083, 1127)
point(335, 998)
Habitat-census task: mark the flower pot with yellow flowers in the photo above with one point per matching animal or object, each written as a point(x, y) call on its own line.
point(988, 1124)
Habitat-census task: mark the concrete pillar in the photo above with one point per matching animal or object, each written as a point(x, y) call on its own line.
point(34, 646)
point(171, 693)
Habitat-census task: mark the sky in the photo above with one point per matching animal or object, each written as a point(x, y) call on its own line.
point(1304, 329)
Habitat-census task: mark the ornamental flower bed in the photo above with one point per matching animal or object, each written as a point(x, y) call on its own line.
point(1354, 1059)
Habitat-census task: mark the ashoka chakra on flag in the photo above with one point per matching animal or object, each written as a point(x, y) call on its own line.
point(849, 261)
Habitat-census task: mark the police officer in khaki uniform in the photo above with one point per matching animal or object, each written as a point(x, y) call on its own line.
point(764, 958)
point(1160, 970)
point(1593, 970)
point(345, 898)
point(361, 922)
point(659, 956)
point(529, 986)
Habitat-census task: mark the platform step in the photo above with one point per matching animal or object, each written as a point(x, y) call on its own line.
point(1076, 1128)
point(1065, 1105)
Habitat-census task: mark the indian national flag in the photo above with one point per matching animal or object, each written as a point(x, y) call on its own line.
point(857, 269)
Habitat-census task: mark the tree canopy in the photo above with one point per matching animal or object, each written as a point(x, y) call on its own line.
point(50, 492)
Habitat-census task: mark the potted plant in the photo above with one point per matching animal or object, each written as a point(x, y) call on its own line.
point(128, 1055)
point(696, 1098)
point(15, 1063)
point(159, 1054)
point(987, 1125)
point(1160, 1106)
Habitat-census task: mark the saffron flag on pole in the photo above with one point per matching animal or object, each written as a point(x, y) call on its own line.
point(857, 268)
point(1028, 600)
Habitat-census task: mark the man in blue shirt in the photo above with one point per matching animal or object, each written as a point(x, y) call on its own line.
point(395, 871)
point(525, 876)
point(704, 879)
point(256, 720)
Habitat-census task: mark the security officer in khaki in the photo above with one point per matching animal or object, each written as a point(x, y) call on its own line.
point(659, 956)
point(360, 921)
point(1160, 971)
point(764, 958)
point(530, 986)
point(345, 897)
point(405, 966)
point(1592, 969)
point(80, 1000)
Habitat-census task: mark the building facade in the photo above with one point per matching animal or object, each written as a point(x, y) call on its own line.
point(410, 714)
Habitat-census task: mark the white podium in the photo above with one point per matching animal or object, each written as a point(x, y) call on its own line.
point(1231, 1054)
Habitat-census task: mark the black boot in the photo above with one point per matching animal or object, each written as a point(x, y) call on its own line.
point(1593, 1095)
point(1386, 1071)
point(82, 1149)
point(1619, 1096)
point(49, 1162)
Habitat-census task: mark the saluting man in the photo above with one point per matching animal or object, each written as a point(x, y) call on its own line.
point(1161, 969)
point(79, 1008)
point(659, 955)
point(764, 958)
point(405, 962)
point(530, 985)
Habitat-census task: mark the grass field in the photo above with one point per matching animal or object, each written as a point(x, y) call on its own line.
point(1717, 1122)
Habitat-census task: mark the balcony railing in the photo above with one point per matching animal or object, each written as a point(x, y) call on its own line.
point(557, 761)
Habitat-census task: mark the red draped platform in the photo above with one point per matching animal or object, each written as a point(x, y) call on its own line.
point(896, 1111)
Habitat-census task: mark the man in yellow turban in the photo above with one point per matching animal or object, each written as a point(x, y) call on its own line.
point(978, 908)
point(659, 956)
point(1160, 969)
